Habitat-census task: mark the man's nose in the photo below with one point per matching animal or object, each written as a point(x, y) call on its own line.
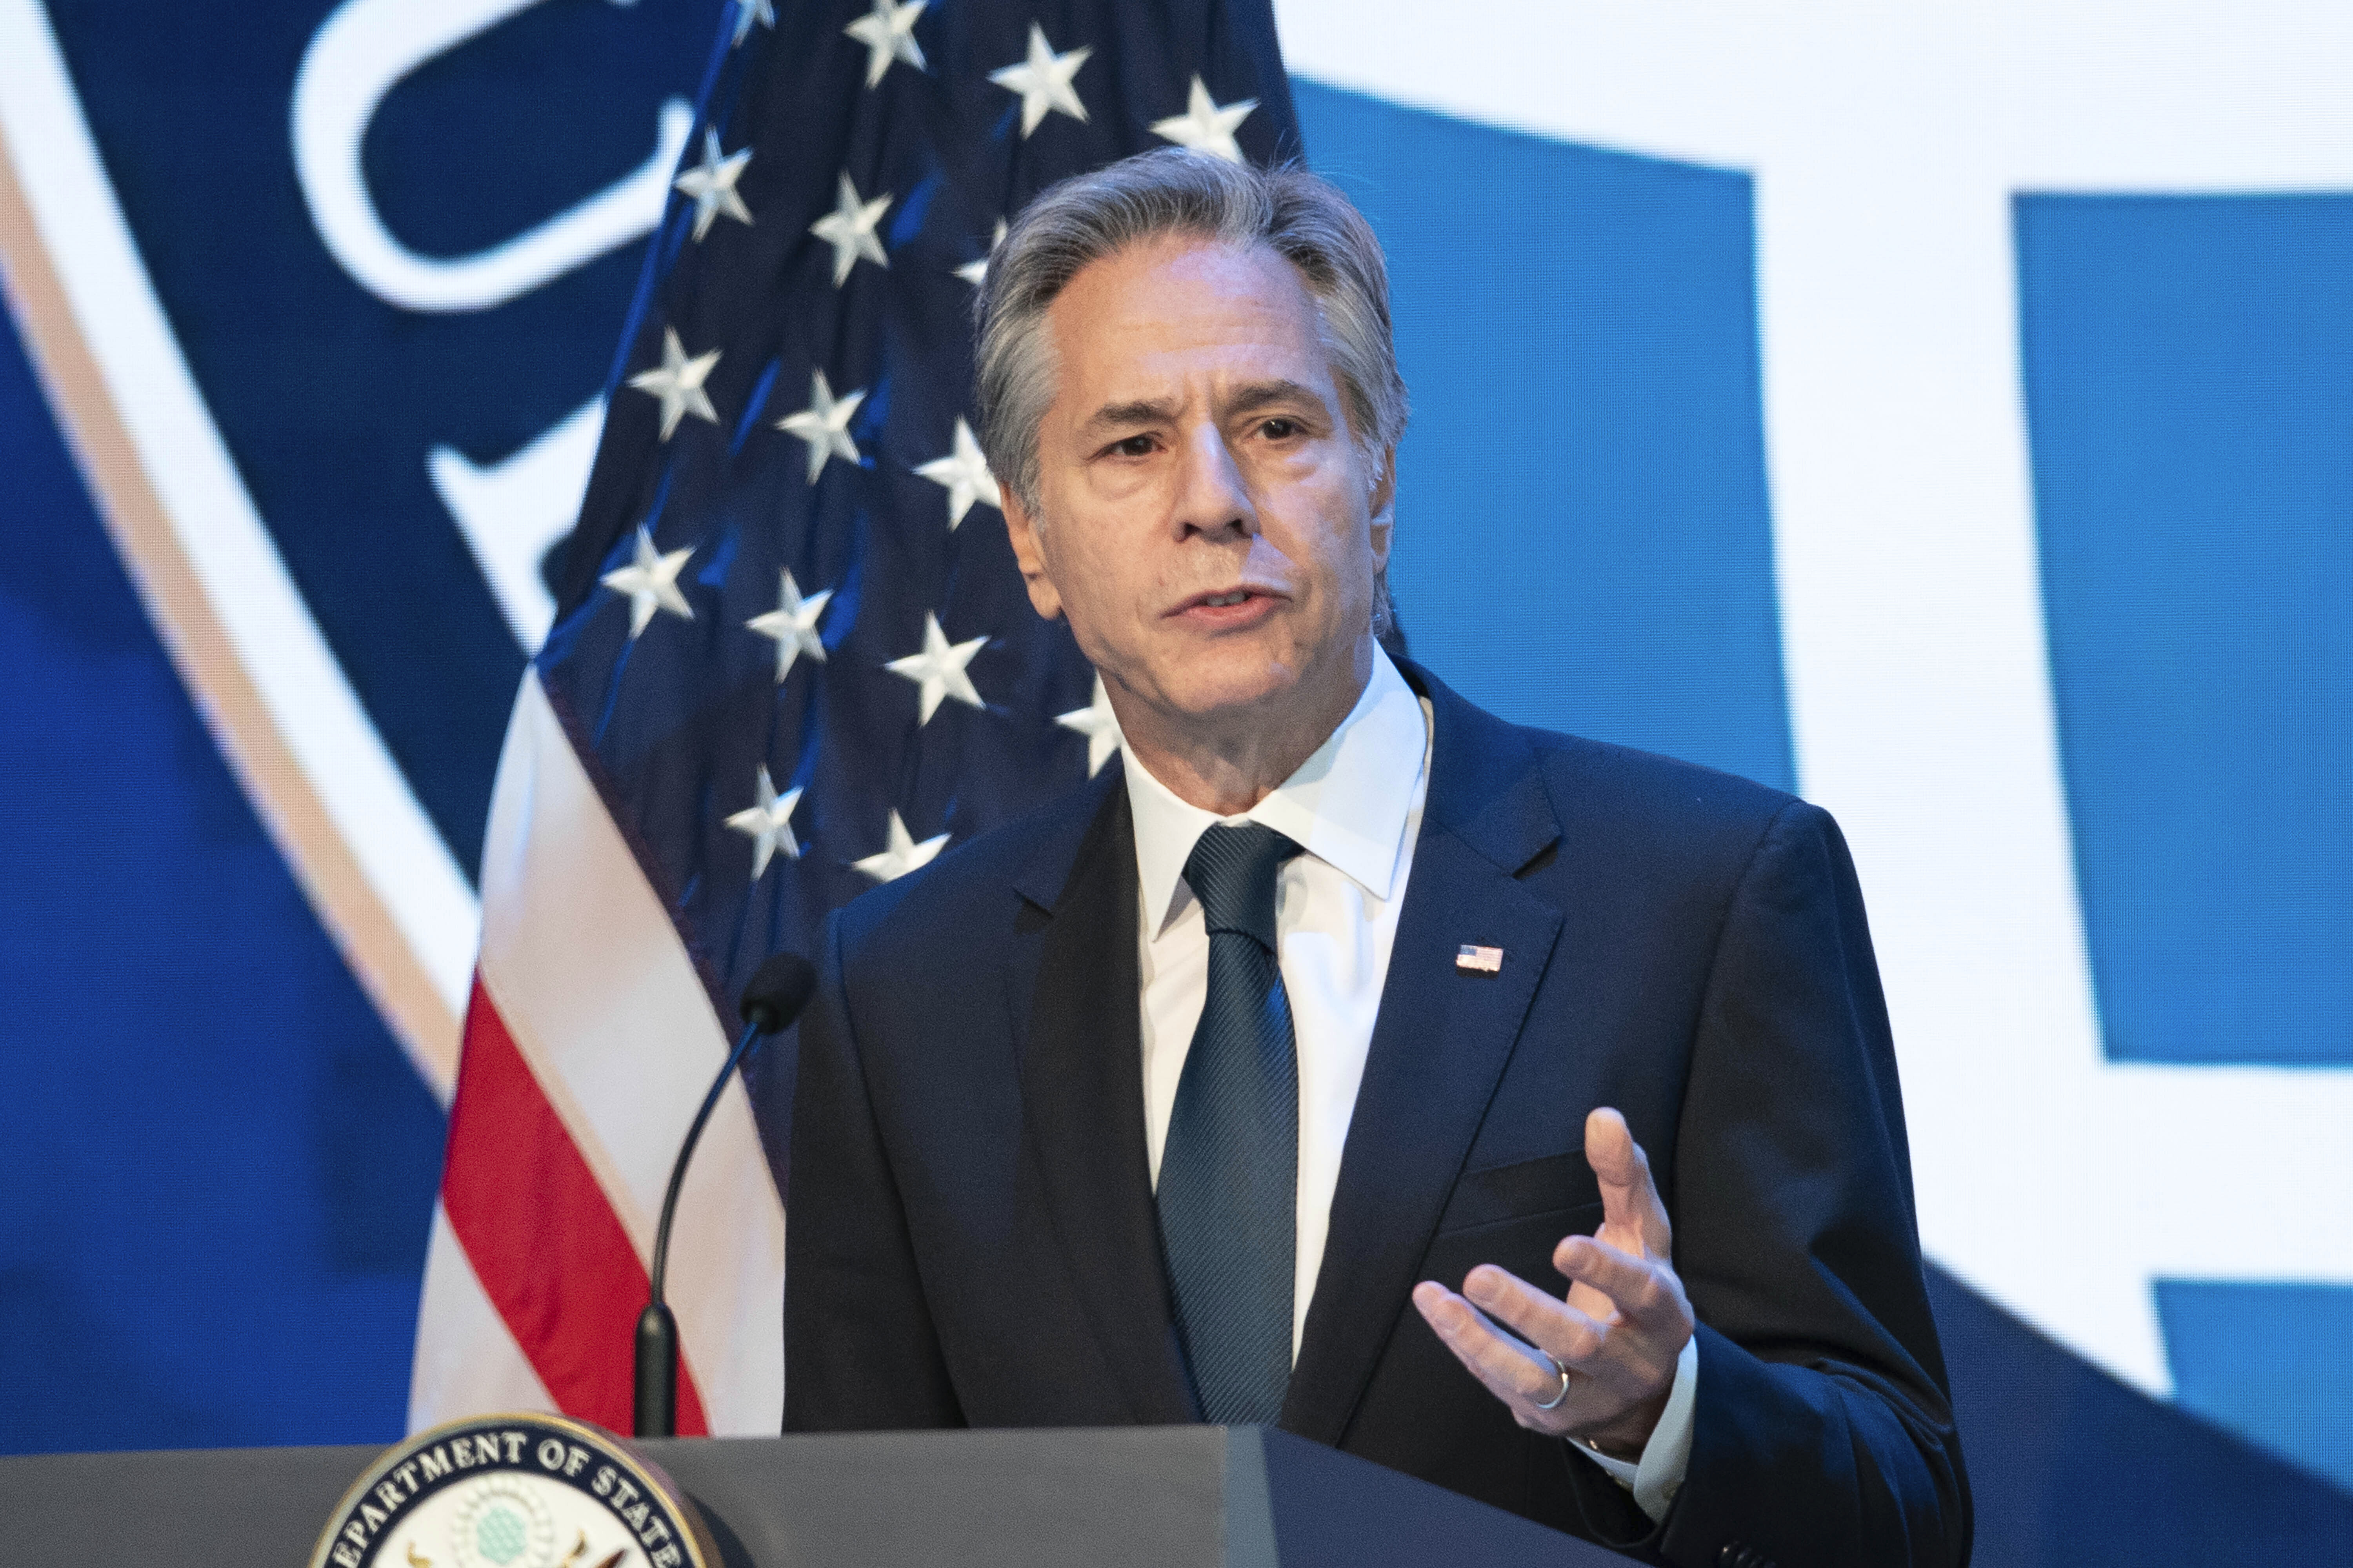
point(1211, 498)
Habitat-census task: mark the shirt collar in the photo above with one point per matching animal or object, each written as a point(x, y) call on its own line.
point(1347, 804)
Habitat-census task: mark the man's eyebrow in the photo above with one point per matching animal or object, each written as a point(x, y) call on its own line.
point(1259, 395)
point(1243, 399)
point(1141, 411)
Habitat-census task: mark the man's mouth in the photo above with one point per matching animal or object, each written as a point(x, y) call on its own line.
point(1229, 599)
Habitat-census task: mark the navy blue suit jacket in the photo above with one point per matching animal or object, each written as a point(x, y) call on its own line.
point(973, 1241)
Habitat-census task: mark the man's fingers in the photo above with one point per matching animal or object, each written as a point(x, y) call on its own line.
point(1510, 1370)
point(1630, 1199)
point(1635, 1286)
point(1545, 1320)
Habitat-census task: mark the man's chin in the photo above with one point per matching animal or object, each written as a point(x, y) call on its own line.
point(1220, 703)
point(1213, 697)
point(1212, 689)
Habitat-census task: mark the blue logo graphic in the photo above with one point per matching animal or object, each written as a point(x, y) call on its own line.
point(2189, 372)
point(2189, 384)
point(333, 392)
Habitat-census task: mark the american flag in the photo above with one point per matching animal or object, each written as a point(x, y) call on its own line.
point(793, 658)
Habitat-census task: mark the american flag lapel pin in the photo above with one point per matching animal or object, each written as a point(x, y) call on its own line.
point(1472, 960)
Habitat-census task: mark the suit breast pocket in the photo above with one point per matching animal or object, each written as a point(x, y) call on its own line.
point(1513, 1216)
point(1521, 1190)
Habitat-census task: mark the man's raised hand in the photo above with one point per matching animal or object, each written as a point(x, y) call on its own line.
point(1618, 1335)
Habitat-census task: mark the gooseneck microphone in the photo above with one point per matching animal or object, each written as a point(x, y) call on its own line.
point(780, 988)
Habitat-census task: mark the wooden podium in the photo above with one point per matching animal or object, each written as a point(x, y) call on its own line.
point(1131, 1496)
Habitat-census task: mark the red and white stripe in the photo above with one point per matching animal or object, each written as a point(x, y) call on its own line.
point(589, 1042)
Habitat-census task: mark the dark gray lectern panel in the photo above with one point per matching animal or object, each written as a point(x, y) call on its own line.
point(1144, 1496)
point(201, 1508)
point(1170, 1497)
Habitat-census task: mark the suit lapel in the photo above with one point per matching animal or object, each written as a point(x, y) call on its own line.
point(1439, 1044)
point(1082, 1082)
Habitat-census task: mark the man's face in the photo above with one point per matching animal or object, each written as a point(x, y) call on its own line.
point(1208, 523)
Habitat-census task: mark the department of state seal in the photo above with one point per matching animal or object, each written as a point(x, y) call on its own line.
point(515, 1491)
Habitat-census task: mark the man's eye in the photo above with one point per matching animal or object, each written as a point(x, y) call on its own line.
point(1279, 429)
point(1133, 447)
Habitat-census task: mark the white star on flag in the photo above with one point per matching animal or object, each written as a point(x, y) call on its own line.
point(793, 623)
point(963, 474)
point(889, 33)
point(710, 186)
point(1099, 724)
point(850, 229)
point(903, 855)
point(939, 668)
point(651, 583)
point(678, 382)
point(825, 425)
point(748, 12)
point(1206, 126)
point(976, 272)
point(768, 825)
point(1043, 81)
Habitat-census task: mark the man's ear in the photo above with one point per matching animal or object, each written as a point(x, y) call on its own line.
point(1383, 505)
point(1029, 555)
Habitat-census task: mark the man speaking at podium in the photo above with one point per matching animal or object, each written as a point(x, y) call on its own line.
point(1283, 1073)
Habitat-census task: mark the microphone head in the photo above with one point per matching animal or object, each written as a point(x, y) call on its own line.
point(780, 988)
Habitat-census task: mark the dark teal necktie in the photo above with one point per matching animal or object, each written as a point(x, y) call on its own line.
point(1229, 1168)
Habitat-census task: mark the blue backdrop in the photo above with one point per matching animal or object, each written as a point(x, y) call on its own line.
point(216, 1161)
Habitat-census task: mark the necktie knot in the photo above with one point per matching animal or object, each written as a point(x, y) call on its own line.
point(1232, 870)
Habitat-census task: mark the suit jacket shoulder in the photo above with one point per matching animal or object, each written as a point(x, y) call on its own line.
point(1635, 818)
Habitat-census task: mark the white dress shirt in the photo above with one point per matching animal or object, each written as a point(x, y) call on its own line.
point(1354, 807)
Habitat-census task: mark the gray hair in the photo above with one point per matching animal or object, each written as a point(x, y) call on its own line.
point(1175, 191)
